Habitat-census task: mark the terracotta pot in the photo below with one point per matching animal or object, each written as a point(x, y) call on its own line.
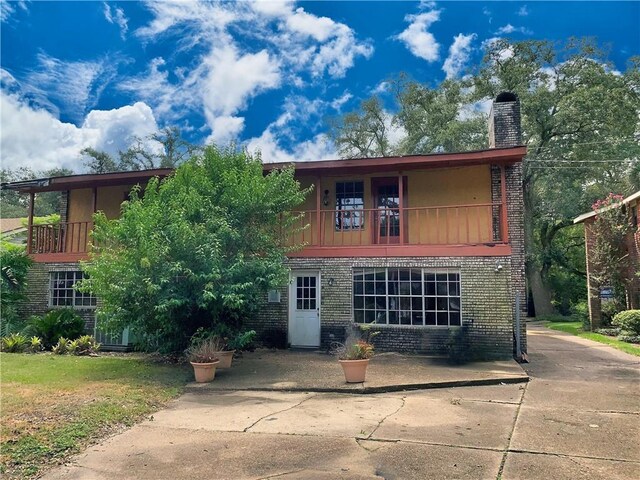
point(205, 372)
point(354, 370)
point(225, 358)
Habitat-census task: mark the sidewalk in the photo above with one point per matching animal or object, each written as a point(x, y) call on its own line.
point(287, 370)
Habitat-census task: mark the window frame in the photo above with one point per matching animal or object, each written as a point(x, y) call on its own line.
point(77, 299)
point(371, 298)
point(338, 225)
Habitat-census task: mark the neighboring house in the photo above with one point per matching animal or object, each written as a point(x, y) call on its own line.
point(418, 245)
point(12, 230)
point(597, 292)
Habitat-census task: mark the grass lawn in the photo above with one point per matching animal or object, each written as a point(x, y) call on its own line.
point(53, 406)
point(575, 328)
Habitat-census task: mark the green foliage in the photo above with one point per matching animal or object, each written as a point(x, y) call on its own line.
point(608, 311)
point(35, 345)
point(628, 321)
point(629, 338)
point(14, 343)
point(580, 311)
point(84, 345)
point(61, 347)
point(197, 250)
point(55, 324)
point(15, 265)
point(242, 340)
point(15, 205)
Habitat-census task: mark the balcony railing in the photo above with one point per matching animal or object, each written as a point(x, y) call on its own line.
point(436, 225)
point(70, 238)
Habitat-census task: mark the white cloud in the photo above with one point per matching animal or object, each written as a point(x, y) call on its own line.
point(508, 28)
point(417, 37)
point(8, 8)
point(289, 46)
point(52, 143)
point(459, 53)
point(117, 17)
point(339, 102)
point(69, 86)
point(487, 13)
point(522, 11)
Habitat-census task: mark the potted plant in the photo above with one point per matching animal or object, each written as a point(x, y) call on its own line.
point(355, 361)
point(203, 357)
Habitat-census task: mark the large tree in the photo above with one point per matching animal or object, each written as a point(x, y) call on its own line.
point(16, 205)
point(580, 123)
point(196, 250)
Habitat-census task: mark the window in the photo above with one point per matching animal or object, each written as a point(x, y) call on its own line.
point(63, 294)
point(406, 296)
point(349, 205)
point(306, 293)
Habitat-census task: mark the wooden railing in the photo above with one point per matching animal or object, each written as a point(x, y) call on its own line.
point(437, 225)
point(71, 237)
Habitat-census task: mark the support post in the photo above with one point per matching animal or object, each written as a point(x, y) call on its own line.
point(94, 200)
point(503, 193)
point(30, 222)
point(401, 206)
point(318, 215)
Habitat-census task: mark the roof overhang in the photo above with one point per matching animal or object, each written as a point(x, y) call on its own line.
point(409, 162)
point(588, 215)
point(91, 180)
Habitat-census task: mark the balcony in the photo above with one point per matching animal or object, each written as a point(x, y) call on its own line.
point(60, 242)
point(454, 230)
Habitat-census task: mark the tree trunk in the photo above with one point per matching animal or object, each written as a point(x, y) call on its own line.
point(539, 291)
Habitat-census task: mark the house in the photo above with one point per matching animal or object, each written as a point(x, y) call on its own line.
point(598, 293)
point(419, 245)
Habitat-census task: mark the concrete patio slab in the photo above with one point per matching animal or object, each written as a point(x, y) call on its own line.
point(450, 421)
point(310, 371)
point(574, 432)
point(330, 415)
point(408, 461)
point(526, 466)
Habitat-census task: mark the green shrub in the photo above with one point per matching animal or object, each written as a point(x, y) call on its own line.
point(14, 343)
point(35, 345)
point(608, 310)
point(15, 265)
point(610, 332)
point(580, 311)
point(242, 340)
point(61, 347)
point(628, 321)
point(55, 324)
point(84, 345)
point(629, 338)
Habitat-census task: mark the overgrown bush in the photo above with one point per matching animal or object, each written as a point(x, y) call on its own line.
point(61, 347)
point(608, 310)
point(84, 345)
point(55, 324)
point(14, 343)
point(609, 332)
point(15, 265)
point(580, 311)
point(198, 249)
point(629, 338)
point(628, 321)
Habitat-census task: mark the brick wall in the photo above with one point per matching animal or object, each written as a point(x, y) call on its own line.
point(37, 302)
point(485, 294)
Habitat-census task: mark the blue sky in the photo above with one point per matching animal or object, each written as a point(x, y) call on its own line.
point(267, 74)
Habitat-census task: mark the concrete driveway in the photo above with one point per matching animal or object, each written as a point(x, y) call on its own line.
point(578, 417)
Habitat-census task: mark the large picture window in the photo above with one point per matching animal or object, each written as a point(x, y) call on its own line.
point(63, 294)
point(406, 296)
point(349, 205)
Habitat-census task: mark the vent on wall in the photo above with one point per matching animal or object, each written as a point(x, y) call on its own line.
point(274, 296)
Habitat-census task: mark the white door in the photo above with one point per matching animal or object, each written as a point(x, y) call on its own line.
point(304, 309)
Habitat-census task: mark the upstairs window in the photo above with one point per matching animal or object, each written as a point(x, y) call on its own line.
point(62, 292)
point(349, 206)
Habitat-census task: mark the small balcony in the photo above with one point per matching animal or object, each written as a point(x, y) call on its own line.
point(453, 230)
point(59, 242)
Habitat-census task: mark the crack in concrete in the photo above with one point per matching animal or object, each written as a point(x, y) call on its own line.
point(276, 475)
point(573, 455)
point(404, 402)
point(246, 430)
point(513, 429)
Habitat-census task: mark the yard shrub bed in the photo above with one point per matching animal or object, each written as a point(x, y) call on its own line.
point(570, 325)
point(53, 406)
